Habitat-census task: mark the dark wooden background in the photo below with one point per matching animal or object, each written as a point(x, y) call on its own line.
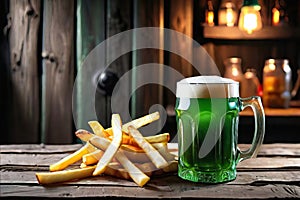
point(43, 42)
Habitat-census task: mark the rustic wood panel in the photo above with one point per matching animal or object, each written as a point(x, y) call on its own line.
point(36, 148)
point(18, 176)
point(118, 19)
point(41, 160)
point(180, 19)
point(58, 71)
point(262, 163)
point(90, 26)
point(176, 190)
point(24, 81)
point(276, 149)
point(147, 14)
point(261, 178)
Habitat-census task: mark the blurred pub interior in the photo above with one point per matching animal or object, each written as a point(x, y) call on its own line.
point(44, 42)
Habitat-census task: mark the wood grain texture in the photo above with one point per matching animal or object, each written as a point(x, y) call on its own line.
point(147, 14)
point(90, 25)
point(44, 160)
point(181, 20)
point(58, 71)
point(17, 176)
point(118, 19)
point(261, 178)
point(24, 81)
point(176, 191)
point(36, 148)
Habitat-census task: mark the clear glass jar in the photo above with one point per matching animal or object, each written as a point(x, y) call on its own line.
point(233, 70)
point(277, 82)
point(252, 83)
point(227, 14)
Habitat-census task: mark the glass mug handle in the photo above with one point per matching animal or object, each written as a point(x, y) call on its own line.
point(259, 131)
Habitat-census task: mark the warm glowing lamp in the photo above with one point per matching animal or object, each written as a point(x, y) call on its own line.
point(250, 19)
point(209, 14)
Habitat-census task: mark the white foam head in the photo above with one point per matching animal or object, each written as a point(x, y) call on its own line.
point(207, 87)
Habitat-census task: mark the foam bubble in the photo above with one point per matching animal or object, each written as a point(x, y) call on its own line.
point(207, 87)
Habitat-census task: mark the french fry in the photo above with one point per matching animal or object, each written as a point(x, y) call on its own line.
point(127, 139)
point(97, 128)
point(119, 151)
point(132, 148)
point(161, 138)
point(137, 123)
point(65, 175)
point(172, 167)
point(162, 148)
point(153, 154)
point(113, 147)
point(72, 158)
point(92, 158)
point(142, 121)
point(83, 165)
point(83, 135)
point(135, 173)
point(102, 143)
point(116, 170)
point(137, 157)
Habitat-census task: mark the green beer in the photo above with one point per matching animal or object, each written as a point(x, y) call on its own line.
point(207, 115)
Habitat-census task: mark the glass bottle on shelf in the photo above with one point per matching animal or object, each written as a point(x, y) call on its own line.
point(253, 86)
point(279, 13)
point(277, 82)
point(209, 13)
point(233, 70)
point(228, 13)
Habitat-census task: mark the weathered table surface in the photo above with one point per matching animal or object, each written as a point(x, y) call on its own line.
point(275, 173)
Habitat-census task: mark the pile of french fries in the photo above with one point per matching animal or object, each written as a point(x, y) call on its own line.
point(119, 151)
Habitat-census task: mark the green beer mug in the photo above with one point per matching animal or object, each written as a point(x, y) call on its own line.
point(207, 116)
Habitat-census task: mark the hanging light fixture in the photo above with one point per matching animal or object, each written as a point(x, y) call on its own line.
point(250, 19)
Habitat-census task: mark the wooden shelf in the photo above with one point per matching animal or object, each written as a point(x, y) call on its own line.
point(275, 112)
point(266, 33)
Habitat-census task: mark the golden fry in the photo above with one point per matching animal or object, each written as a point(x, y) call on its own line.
point(119, 151)
point(152, 153)
point(72, 158)
point(137, 123)
point(113, 147)
point(97, 128)
point(161, 138)
point(92, 158)
point(135, 173)
point(162, 148)
point(62, 176)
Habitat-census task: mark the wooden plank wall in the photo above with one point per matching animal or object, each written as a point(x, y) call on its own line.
point(90, 32)
point(24, 113)
point(58, 71)
point(147, 13)
point(37, 100)
point(42, 64)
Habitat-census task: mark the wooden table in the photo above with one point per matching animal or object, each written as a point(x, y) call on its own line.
point(275, 173)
